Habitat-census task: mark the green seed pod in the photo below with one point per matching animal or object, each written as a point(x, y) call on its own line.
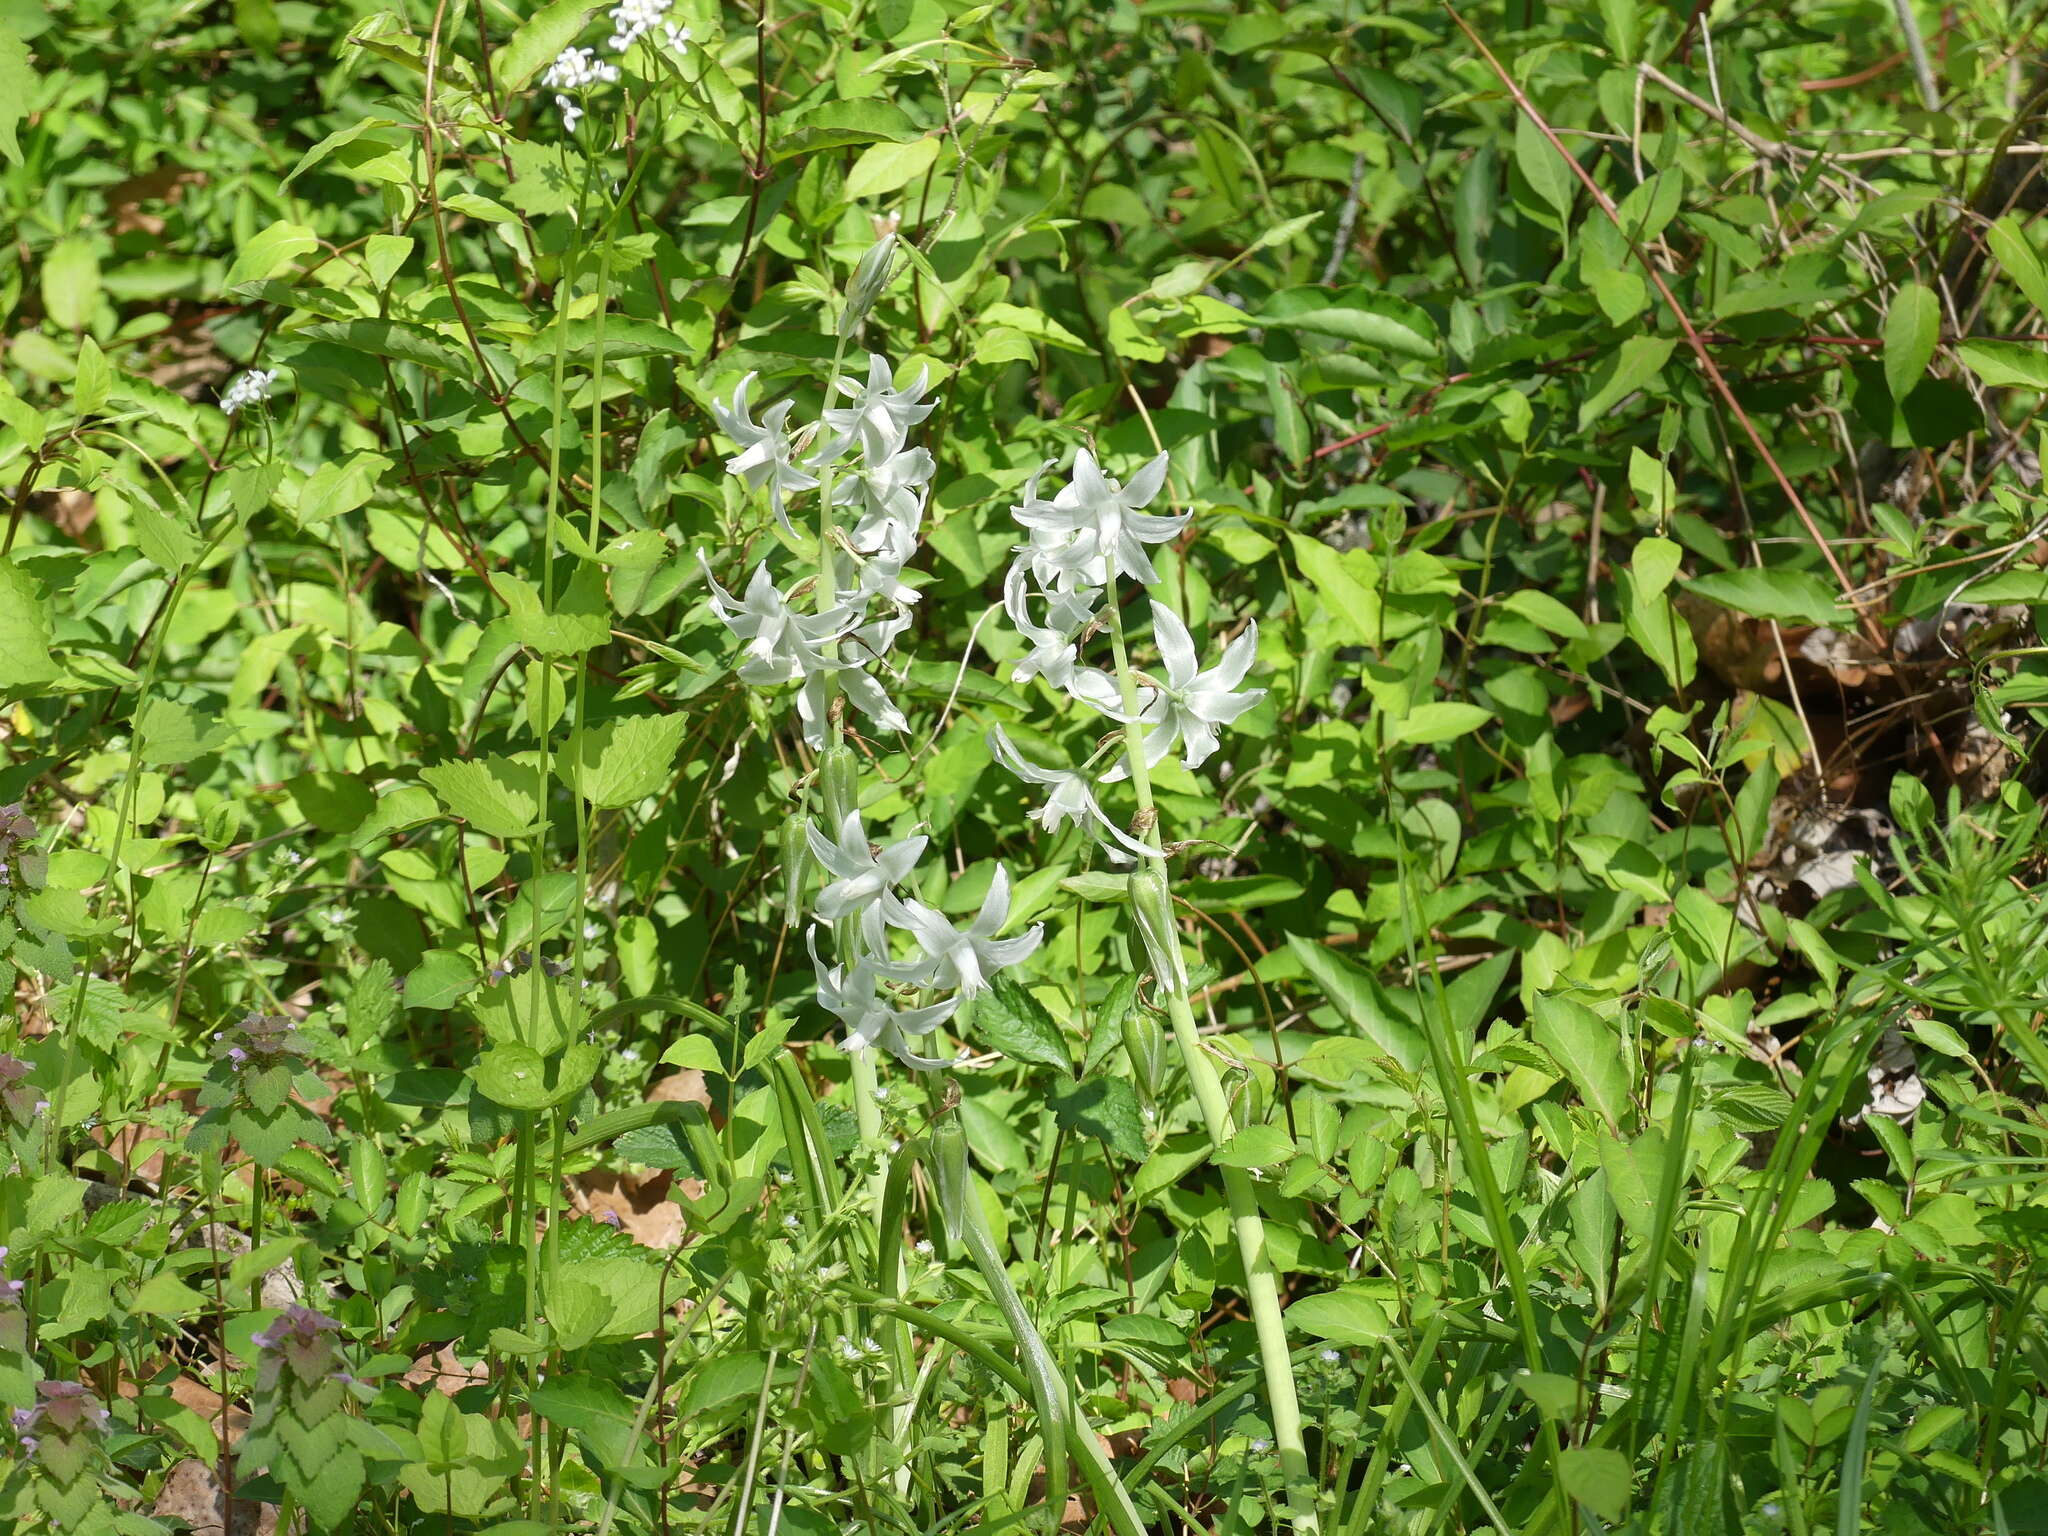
point(1145, 1045)
point(838, 785)
point(796, 869)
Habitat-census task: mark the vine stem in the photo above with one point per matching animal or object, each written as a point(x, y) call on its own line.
point(1262, 1287)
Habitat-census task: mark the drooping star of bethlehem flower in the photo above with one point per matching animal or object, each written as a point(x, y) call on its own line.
point(1094, 530)
point(784, 646)
point(967, 958)
point(1189, 704)
point(853, 995)
point(766, 455)
point(881, 415)
point(1053, 643)
point(861, 874)
point(1072, 798)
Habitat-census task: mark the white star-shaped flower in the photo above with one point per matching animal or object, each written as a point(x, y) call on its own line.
point(1053, 643)
point(854, 997)
point(954, 957)
point(782, 645)
point(766, 452)
point(1072, 798)
point(881, 415)
point(861, 875)
point(1190, 704)
point(1093, 530)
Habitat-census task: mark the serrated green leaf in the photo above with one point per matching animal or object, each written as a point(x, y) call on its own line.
point(625, 761)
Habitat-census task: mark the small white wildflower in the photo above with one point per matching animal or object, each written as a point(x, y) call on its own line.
point(1093, 529)
point(1191, 703)
point(1053, 643)
point(791, 1223)
point(924, 1247)
point(633, 20)
point(1072, 798)
point(965, 958)
point(848, 1350)
point(1331, 1357)
point(247, 389)
point(573, 70)
point(881, 1095)
point(765, 456)
point(853, 995)
point(861, 877)
point(870, 1347)
point(1261, 1446)
point(881, 415)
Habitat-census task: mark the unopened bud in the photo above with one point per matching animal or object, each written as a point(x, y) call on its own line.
point(869, 279)
point(1152, 905)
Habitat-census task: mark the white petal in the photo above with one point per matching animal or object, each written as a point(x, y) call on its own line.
point(1176, 646)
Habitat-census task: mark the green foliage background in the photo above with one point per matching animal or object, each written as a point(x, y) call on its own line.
point(1620, 921)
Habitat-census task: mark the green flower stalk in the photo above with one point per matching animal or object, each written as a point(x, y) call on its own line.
point(1081, 542)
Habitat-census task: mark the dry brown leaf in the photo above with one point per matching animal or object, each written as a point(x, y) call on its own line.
point(445, 1371)
point(638, 1207)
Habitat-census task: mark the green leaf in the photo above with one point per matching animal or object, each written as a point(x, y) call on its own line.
point(625, 761)
point(1368, 318)
point(540, 37)
point(1347, 1315)
point(833, 124)
point(1543, 167)
point(883, 168)
point(1361, 1002)
point(1106, 1108)
point(1653, 564)
point(1598, 1478)
point(1256, 1146)
point(17, 90)
point(1588, 1048)
point(71, 282)
point(1912, 326)
point(1347, 583)
point(519, 1077)
point(1638, 362)
point(1429, 724)
point(441, 979)
point(1790, 597)
point(270, 252)
point(497, 796)
point(1009, 1019)
point(2000, 363)
point(596, 1410)
point(1539, 607)
point(2015, 254)
point(24, 631)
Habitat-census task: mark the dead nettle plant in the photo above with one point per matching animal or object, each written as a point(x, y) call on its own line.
point(893, 971)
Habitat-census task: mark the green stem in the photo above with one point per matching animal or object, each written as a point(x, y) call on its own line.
point(1262, 1288)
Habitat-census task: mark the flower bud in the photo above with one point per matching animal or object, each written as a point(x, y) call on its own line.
point(869, 279)
point(1152, 905)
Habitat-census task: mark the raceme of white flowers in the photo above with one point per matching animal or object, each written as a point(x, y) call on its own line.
point(900, 968)
point(832, 645)
point(247, 389)
point(576, 69)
